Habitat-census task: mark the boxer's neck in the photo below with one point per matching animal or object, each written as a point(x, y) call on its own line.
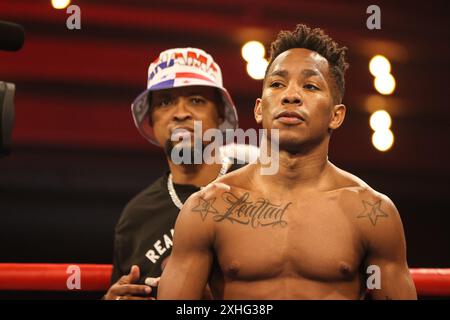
point(194, 174)
point(301, 169)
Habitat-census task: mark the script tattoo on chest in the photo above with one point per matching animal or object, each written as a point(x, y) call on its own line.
point(259, 213)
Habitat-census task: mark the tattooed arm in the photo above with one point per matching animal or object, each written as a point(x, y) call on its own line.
point(386, 248)
point(188, 268)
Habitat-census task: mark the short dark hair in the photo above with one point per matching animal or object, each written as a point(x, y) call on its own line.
point(315, 40)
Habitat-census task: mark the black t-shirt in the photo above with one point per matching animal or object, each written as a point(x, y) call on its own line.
point(144, 232)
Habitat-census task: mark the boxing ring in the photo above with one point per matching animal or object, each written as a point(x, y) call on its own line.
point(96, 277)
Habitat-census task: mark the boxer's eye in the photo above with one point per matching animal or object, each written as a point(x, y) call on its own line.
point(276, 84)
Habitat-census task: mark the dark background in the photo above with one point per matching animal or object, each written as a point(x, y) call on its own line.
point(77, 157)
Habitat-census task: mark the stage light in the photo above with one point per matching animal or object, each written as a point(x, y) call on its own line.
point(257, 68)
point(253, 50)
point(60, 4)
point(385, 84)
point(383, 140)
point(380, 120)
point(379, 66)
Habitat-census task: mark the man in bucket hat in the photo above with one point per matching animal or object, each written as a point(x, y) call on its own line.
point(177, 68)
point(184, 85)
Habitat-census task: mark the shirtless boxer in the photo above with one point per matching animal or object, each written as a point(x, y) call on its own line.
point(311, 230)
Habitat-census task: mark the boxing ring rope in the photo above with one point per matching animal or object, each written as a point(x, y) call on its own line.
point(96, 277)
point(53, 276)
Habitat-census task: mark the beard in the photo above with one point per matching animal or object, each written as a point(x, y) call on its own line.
point(188, 152)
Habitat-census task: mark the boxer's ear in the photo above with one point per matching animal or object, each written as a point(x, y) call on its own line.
point(337, 116)
point(258, 111)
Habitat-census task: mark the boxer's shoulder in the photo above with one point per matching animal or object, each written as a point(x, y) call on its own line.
point(209, 199)
point(367, 206)
point(356, 192)
point(212, 199)
point(373, 214)
point(233, 181)
point(350, 185)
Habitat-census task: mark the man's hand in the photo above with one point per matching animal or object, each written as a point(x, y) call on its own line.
point(126, 289)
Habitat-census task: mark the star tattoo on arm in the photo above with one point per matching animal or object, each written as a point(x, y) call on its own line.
point(372, 212)
point(204, 207)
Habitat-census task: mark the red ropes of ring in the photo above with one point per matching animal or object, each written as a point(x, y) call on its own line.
point(96, 277)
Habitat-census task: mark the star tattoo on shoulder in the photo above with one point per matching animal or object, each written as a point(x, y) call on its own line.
point(204, 207)
point(372, 211)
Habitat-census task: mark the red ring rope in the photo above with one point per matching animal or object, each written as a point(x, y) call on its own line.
point(53, 276)
point(96, 277)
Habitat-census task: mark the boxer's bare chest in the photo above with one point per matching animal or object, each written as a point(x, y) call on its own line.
point(307, 235)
